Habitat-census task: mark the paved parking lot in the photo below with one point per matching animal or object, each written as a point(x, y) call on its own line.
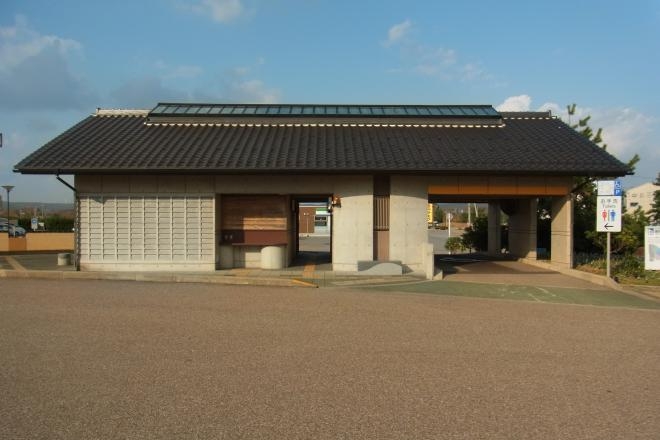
point(111, 359)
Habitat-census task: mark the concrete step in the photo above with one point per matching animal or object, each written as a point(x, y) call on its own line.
point(380, 268)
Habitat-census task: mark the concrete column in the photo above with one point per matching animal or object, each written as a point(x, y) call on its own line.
point(494, 222)
point(561, 238)
point(522, 229)
point(352, 235)
point(408, 226)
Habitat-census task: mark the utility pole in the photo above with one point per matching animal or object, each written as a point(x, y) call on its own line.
point(8, 188)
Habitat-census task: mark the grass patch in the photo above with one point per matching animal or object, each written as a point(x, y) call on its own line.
point(627, 269)
point(560, 295)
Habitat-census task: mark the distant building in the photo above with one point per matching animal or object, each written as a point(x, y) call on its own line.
point(314, 219)
point(641, 196)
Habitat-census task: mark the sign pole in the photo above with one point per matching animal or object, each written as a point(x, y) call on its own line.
point(608, 254)
point(608, 211)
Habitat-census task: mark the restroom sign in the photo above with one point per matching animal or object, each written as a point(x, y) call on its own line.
point(608, 214)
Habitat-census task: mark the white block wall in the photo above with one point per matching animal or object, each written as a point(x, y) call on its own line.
point(352, 237)
point(147, 232)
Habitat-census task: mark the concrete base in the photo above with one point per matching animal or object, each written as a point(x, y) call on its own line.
point(379, 268)
point(64, 259)
point(226, 256)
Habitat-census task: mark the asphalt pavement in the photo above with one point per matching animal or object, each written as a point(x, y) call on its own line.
point(116, 360)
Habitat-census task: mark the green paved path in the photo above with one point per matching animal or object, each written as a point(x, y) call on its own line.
point(608, 298)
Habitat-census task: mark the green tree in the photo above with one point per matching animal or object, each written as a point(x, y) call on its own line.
point(584, 194)
point(438, 214)
point(454, 244)
point(629, 239)
point(654, 213)
point(476, 235)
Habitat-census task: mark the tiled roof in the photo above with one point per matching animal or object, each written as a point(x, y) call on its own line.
point(116, 142)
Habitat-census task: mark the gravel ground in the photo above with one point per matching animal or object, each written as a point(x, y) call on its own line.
point(103, 359)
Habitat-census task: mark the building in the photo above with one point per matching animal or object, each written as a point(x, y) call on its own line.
point(207, 186)
point(641, 196)
point(314, 219)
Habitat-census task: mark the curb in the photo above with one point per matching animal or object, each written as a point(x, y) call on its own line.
point(154, 277)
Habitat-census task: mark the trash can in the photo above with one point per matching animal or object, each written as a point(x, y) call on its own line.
point(273, 257)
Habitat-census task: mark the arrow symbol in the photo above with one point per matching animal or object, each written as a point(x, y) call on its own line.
point(607, 226)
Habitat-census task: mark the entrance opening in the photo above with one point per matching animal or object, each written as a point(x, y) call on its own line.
point(464, 236)
point(449, 222)
point(313, 231)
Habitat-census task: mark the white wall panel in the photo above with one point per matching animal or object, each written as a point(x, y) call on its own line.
point(149, 229)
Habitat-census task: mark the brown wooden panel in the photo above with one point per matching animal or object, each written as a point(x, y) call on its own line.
point(381, 213)
point(255, 212)
point(381, 245)
point(531, 186)
point(444, 185)
point(502, 186)
point(558, 186)
point(473, 185)
point(254, 237)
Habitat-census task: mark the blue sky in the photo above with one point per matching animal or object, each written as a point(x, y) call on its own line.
point(59, 60)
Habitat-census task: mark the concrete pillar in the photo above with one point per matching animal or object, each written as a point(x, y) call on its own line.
point(494, 222)
point(353, 234)
point(408, 226)
point(522, 229)
point(561, 238)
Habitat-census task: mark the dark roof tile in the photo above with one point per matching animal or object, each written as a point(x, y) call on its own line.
point(527, 143)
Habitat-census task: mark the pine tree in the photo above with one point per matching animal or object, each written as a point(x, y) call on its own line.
point(654, 212)
point(584, 213)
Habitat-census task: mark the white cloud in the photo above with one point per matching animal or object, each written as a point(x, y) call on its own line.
point(17, 145)
point(237, 84)
point(25, 57)
point(520, 103)
point(144, 93)
point(19, 43)
point(624, 129)
point(435, 62)
point(432, 61)
point(253, 91)
point(240, 71)
point(185, 72)
point(555, 109)
point(222, 11)
point(397, 32)
point(178, 72)
point(473, 71)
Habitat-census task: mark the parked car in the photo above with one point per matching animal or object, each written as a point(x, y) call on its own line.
point(14, 231)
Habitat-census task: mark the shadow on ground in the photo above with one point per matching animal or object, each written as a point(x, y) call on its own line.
point(560, 295)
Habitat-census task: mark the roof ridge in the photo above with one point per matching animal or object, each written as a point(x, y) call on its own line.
point(121, 112)
point(317, 124)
